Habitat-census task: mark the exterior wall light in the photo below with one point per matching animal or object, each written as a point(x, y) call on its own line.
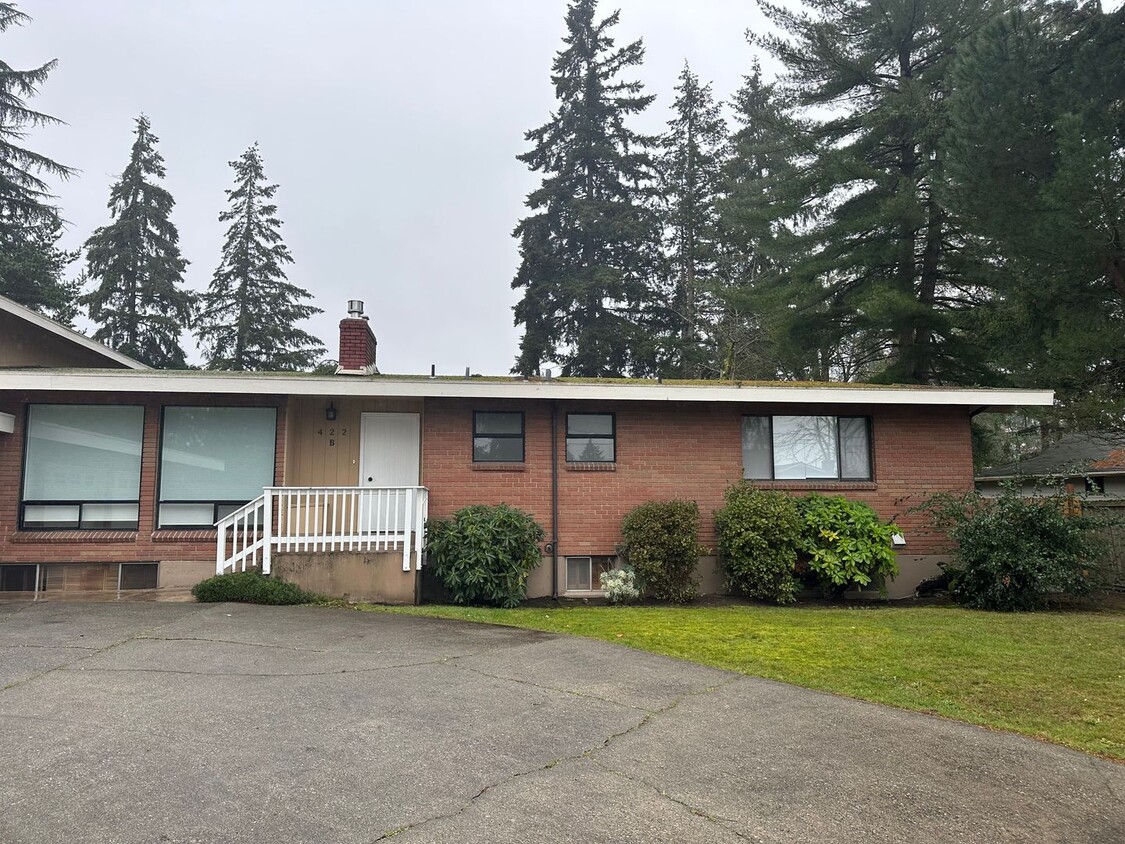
point(330, 412)
point(898, 540)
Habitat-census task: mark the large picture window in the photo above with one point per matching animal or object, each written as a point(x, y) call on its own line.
point(591, 438)
point(82, 468)
point(498, 437)
point(212, 461)
point(806, 448)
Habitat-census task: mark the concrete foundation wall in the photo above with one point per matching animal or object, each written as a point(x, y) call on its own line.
point(375, 576)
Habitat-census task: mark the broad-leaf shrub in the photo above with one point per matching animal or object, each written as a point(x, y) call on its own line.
point(249, 587)
point(1013, 553)
point(758, 533)
point(844, 544)
point(620, 585)
point(659, 541)
point(484, 553)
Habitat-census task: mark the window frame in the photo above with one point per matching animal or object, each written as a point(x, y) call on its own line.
point(216, 504)
point(838, 477)
point(612, 436)
point(521, 436)
point(596, 563)
point(69, 502)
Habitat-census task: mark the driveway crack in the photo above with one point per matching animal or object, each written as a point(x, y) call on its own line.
point(585, 755)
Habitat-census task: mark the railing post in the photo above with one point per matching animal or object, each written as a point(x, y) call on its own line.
point(407, 527)
point(220, 548)
point(267, 528)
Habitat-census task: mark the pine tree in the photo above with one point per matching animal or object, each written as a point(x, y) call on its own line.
point(691, 167)
point(31, 264)
point(139, 303)
point(590, 248)
point(249, 313)
point(871, 81)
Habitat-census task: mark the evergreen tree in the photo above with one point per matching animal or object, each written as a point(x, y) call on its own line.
point(249, 313)
point(590, 248)
point(870, 80)
point(691, 177)
point(1048, 200)
point(139, 303)
point(31, 264)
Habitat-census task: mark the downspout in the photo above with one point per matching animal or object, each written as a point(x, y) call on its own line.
point(554, 500)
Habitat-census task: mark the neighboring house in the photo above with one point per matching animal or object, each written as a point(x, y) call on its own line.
point(1092, 463)
point(114, 478)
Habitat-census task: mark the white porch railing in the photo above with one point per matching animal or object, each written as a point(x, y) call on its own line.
point(323, 519)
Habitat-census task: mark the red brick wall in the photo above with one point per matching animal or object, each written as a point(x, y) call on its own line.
point(691, 451)
point(110, 546)
point(357, 344)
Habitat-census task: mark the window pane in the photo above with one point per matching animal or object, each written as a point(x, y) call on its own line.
point(217, 453)
point(598, 424)
point(855, 448)
point(498, 449)
point(187, 515)
point(120, 516)
point(50, 516)
point(578, 574)
point(804, 447)
point(83, 453)
point(499, 423)
point(756, 447)
point(590, 450)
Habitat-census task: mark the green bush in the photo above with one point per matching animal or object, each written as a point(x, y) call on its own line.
point(844, 544)
point(1014, 553)
point(249, 587)
point(658, 540)
point(483, 554)
point(758, 533)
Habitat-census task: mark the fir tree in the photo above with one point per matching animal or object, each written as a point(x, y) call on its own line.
point(1048, 199)
point(250, 311)
point(589, 249)
point(691, 177)
point(31, 264)
point(871, 80)
point(139, 303)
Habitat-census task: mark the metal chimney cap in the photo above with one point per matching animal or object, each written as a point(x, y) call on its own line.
point(355, 308)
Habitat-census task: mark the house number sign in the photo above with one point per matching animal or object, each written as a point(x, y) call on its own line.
point(332, 434)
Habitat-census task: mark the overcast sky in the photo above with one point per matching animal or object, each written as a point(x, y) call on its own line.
point(391, 127)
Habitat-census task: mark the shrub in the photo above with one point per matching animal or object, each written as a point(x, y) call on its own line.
point(758, 533)
point(620, 585)
point(249, 587)
point(658, 540)
point(483, 554)
point(1013, 553)
point(844, 544)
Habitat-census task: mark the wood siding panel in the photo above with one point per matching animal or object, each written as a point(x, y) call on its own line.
point(323, 453)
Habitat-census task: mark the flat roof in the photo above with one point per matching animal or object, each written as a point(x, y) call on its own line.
point(474, 387)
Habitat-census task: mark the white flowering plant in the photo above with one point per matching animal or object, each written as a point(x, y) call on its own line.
point(620, 585)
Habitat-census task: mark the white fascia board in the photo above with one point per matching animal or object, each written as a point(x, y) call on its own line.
point(153, 381)
point(68, 334)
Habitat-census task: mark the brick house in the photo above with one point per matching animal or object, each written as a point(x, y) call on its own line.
point(114, 476)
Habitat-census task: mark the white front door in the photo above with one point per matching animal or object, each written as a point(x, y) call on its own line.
point(389, 456)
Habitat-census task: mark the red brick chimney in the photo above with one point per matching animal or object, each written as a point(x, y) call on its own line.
point(357, 343)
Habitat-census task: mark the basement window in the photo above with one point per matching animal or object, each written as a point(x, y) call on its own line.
point(583, 574)
point(18, 578)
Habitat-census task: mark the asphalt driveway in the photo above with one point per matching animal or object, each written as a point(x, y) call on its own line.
point(231, 723)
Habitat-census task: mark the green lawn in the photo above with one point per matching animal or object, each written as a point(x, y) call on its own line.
point(1055, 676)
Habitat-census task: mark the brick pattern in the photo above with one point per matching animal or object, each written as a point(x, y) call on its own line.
point(144, 544)
point(690, 451)
point(357, 344)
